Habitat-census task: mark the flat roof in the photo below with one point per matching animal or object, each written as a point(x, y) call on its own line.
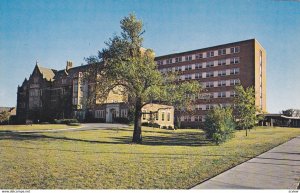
point(281, 115)
point(211, 47)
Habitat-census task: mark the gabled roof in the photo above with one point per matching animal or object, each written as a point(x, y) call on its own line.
point(47, 73)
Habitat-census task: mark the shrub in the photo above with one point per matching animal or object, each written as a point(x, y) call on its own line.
point(155, 125)
point(65, 121)
point(145, 124)
point(219, 125)
point(170, 127)
point(121, 120)
point(73, 124)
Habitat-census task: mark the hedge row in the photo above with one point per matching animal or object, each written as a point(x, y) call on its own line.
point(65, 121)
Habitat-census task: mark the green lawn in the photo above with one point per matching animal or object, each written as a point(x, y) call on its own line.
point(101, 159)
point(34, 127)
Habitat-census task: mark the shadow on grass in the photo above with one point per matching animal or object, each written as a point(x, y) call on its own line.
point(172, 139)
point(35, 136)
point(149, 155)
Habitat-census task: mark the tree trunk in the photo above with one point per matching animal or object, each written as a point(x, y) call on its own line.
point(137, 132)
point(246, 132)
point(178, 122)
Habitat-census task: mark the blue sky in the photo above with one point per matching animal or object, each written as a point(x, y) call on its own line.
point(53, 32)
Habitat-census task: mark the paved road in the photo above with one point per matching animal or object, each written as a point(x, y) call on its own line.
point(278, 168)
point(83, 127)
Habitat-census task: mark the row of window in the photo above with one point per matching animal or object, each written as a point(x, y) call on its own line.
point(195, 118)
point(205, 107)
point(219, 73)
point(156, 116)
point(124, 113)
point(221, 83)
point(210, 95)
point(101, 113)
point(197, 56)
point(34, 92)
point(196, 66)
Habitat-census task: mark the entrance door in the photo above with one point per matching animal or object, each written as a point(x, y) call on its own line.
point(113, 114)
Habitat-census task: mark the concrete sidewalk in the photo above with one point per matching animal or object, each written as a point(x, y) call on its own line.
point(279, 168)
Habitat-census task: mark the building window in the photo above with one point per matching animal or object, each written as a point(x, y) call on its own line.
point(222, 83)
point(188, 77)
point(197, 107)
point(233, 94)
point(169, 117)
point(160, 62)
point(210, 64)
point(156, 116)
point(199, 56)
point(207, 96)
point(235, 49)
point(209, 107)
point(169, 61)
point(178, 59)
point(198, 75)
point(209, 84)
point(235, 71)
point(234, 82)
point(198, 118)
point(222, 73)
point(75, 101)
point(124, 113)
point(188, 58)
point(210, 74)
point(99, 113)
point(221, 94)
point(34, 92)
point(198, 66)
point(222, 62)
point(177, 68)
point(187, 118)
point(222, 51)
point(144, 115)
point(188, 67)
point(162, 116)
point(234, 60)
point(210, 54)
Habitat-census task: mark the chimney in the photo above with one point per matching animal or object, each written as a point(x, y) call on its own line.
point(69, 65)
